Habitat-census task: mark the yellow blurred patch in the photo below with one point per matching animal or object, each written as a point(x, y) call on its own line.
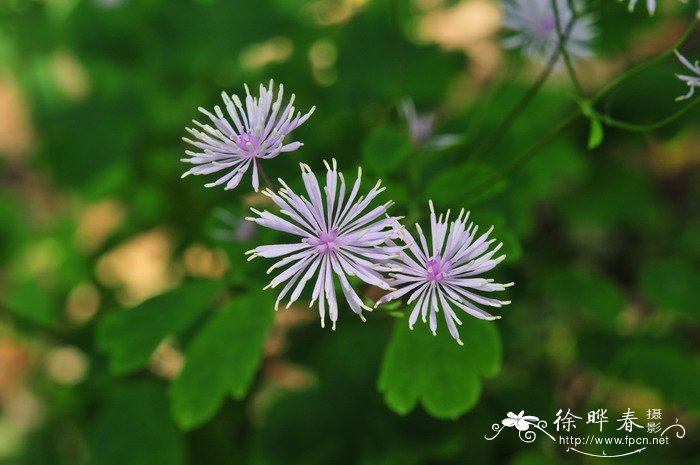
point(203, 262)
point(16, 133)
point(469, 26)
point(140, 268)
point(97, 222)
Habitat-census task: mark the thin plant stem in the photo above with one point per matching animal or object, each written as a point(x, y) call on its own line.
point(571, 117)
point(523, 103)
point(476, 124)
point(635, 127)
point(562, 44)
point(508, 121)
point(263, 175)
point(527, 155)
point(640, 68)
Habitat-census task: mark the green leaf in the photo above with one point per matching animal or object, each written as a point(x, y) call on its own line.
point(131, 336)
point(222, 359)
point(437, 372)
point(385, 149)
point(597, 296)
point(134, 427)
point(595, 137)
point(672, 284)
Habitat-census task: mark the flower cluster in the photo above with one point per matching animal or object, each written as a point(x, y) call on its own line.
point(339, 235)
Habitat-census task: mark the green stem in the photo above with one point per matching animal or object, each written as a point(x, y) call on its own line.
point(640, 68)
point(571, 117)
point(523, 103)
point(562, 43)
point(513, 115)
point(634, 127)
point(476, 124)
point(527, 155)
point(263, 175)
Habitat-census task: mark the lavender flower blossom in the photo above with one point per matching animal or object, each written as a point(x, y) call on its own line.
point(691, 81)
point(445, 274)
point(337, 236)
point(534, 25)
point(421, 128)
point(257, 134)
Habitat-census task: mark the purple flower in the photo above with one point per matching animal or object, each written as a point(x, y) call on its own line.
point(691, 81)
point(421, 128)
point(257, 134)
point(445, 274)
point(337, 236)
point(534, 27)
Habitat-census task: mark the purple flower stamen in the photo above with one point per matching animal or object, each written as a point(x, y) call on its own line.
point(436, 269)
point(326, 241)
point(248, 144)
point(548, 24)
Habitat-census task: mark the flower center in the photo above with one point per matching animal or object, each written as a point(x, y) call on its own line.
point(326, 241)
point(436, 269)
point(248, 143)
point(547, 24)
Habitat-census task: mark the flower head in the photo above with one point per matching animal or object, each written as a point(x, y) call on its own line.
point(534, 26)
point(338, 236)
point(253, 134)
point(691, 81)
point(421, 128)
point(444, 273)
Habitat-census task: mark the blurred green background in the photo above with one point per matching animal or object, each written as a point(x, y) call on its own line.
point(95, 222)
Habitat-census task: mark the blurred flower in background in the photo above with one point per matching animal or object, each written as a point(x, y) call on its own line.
point(533, 24)
point(421, 128)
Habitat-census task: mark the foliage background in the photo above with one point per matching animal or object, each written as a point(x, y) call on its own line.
point(603, 245)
